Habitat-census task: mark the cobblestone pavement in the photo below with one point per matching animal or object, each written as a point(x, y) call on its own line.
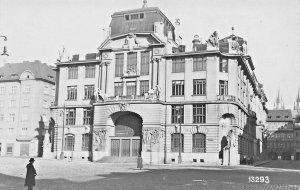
point(79, 175)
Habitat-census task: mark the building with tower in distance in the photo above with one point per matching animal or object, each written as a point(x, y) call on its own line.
point(26, 92)
point(283, 132)
point(143, 95)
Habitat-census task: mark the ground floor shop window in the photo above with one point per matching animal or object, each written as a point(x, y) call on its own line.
point(199, 142)
point(69, 142)
point(9, 148)
point(175, 142)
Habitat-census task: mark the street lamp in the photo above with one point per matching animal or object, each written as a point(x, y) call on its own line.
point(179, 152)
point(62, 156)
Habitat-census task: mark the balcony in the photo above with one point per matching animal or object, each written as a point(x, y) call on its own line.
point(133, 98)
point(226, 98)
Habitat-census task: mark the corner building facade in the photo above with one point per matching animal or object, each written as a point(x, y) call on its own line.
point(154, 100)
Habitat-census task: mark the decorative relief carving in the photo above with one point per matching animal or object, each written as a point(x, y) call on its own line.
point(152, 136)
point(100, 135)
point(213, 40)
point(124, 106)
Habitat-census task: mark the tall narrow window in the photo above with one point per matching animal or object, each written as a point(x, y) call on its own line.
point(178, 65)
point(223, 87)
point(175, 142)
point(87, 116)
point(199, 142)
point(72, 92)
point(2, 90)
point(199, 86)
point(72, 72)
point(88, 91)
point(118, 89)
point(223, 65)
point(145, 59)
point(90, 71)
point(131, 88)
point(69, 142)
point(13, 90)
point(70, 116)
point(132, 61)
point(144, 86)
point(199, 63)
point(199, 113)
point(86, 142)
point(119, 65)
point(177, 115)
point(177, 87)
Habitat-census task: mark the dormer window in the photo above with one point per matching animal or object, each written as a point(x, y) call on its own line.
point(135, 16)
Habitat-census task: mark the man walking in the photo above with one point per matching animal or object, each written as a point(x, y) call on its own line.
point(30, 175)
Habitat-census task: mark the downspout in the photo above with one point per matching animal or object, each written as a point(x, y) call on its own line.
point(165, 147)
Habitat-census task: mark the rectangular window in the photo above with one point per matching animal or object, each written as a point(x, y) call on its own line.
point(199, 113)
point(131, 61)
point(199, 63)
point(145, 59)
point(223, 87)
point(87, 116)
point(2, 90)
point(13, 90)
point(10, 130)
point(178, 65)
point(86, 142)
point(134, 16)
point(199, 86)
point(72, 72)
point(144, 87)
point(177, 115)
point(9, 148)
point(27, 89)
point(119, 65)
point(12, 103)
point(131, 88)
point(199, 142)
point(1, 103)
point(12, 117)
point(69, 142)
point(1, 117)
point(90, 71)
point(175, 142)
point(177, 87)
point(24, 131)
point(70, 116)
point(223, 65)
point(72, 93)
point(88, 91)
point(25, 102)
point(118, 88)
point(126, 17)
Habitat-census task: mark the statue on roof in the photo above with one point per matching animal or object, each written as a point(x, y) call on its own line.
point(213, 40)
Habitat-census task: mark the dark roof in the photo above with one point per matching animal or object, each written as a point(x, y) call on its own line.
point(121, 26)
point(13, 71)
point(280, 115)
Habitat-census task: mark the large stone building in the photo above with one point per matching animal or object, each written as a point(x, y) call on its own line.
point(155, 100)
point(26, 92)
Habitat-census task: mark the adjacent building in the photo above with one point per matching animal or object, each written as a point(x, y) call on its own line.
point(142, 94)
point(26, 92)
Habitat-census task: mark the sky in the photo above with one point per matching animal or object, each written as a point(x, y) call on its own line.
point(38, 29)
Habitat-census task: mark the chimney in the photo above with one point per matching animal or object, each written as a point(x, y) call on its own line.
point(196, 41)
point(170, 35)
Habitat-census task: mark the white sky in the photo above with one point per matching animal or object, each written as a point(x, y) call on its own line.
point(37, 29)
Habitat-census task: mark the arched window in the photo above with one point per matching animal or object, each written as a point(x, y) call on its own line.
point(69, 142)
point(175, 142)
point(86, 142)
point(199, 142)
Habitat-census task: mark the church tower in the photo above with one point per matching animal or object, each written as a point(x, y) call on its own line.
point(297, 104)
point(278, 104)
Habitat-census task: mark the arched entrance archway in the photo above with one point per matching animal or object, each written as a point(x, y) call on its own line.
point(127, 139)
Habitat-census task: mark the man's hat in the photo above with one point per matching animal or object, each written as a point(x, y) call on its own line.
point(31, 159)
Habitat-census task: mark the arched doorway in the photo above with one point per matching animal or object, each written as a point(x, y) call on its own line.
point(127, 139)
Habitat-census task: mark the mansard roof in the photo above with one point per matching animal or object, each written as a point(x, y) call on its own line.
point(13, 71)
point(119, 25)
point(280, 116)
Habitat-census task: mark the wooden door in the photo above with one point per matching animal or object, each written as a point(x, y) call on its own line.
point(115, 147)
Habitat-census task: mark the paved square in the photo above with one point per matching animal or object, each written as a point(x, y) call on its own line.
point(59, 175)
